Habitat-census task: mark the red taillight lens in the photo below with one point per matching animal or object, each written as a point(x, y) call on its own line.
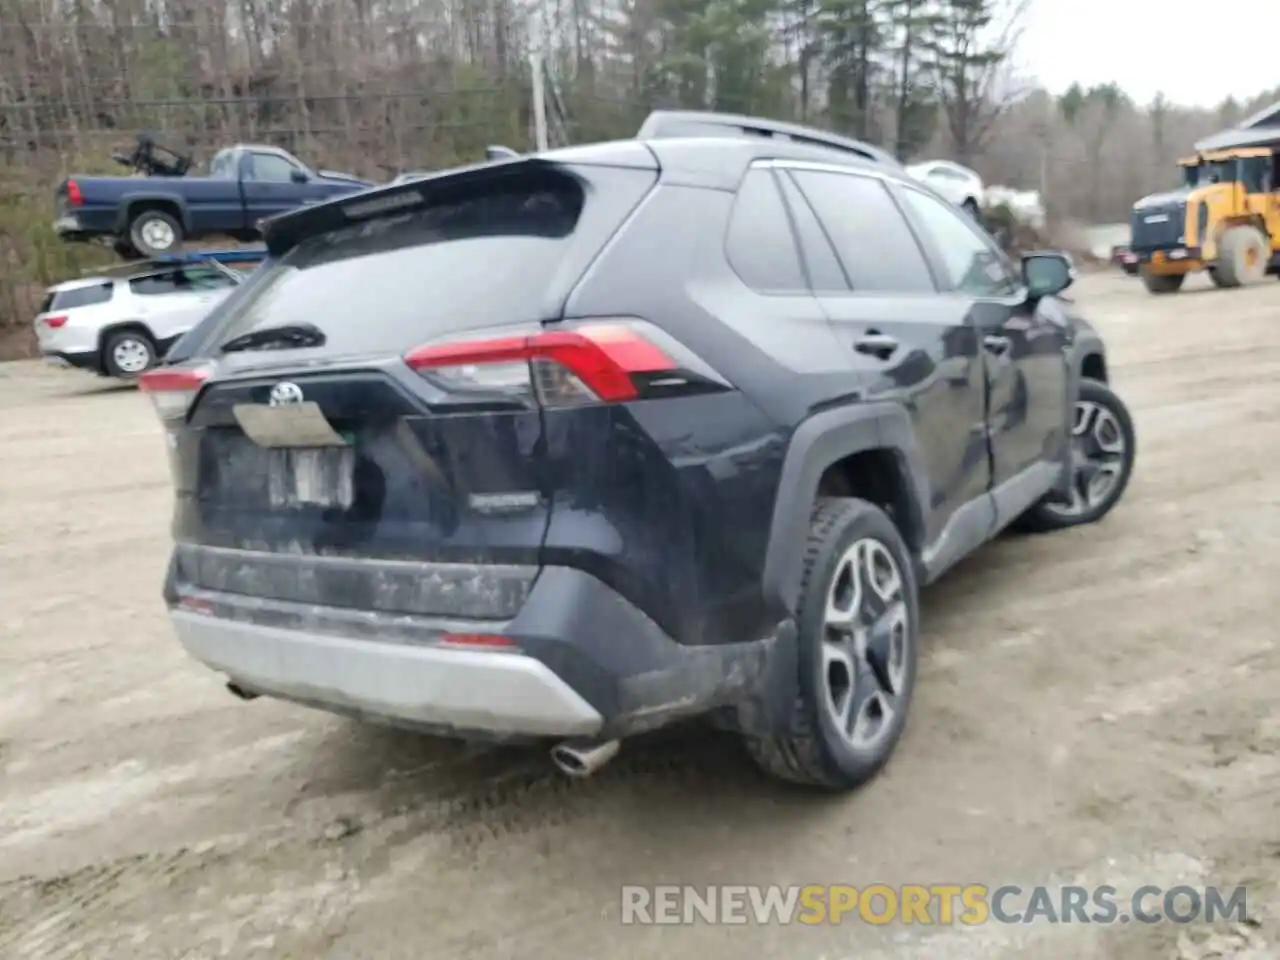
point(562, 367)
point(74, 197)
point(172, 390)
point(479, 641)
point(55, 322)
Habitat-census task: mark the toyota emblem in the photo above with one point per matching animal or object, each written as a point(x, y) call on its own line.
point(285, 393)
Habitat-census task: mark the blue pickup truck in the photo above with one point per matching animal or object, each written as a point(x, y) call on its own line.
point(150, 216)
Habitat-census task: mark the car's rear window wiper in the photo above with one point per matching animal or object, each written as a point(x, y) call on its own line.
point(285, 337)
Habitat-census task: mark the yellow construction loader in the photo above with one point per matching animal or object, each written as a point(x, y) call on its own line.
point(1224, 218)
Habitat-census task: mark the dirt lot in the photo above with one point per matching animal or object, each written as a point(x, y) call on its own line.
point(1102, 704)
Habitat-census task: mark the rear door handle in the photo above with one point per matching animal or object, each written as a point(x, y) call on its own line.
point(876, 344)
point(996, 344)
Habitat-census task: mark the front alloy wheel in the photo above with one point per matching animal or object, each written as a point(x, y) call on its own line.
point(1103, 445)
point(1097, 460)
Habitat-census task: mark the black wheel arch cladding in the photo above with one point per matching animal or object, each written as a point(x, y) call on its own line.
point(820, 441)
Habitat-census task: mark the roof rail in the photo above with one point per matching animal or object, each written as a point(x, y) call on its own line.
point(135, 268)
point(662, 124)
point(237, 255)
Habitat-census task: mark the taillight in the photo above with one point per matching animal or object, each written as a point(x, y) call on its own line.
point(479, 641)
point(55, 322)
point(74, 197)
point(588, 364)
point(172, 389)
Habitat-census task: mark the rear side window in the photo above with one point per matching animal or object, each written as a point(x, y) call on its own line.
point(500, 252)
point(760, 245)
point(223, 165)
point(78, 297)
point(870, 235)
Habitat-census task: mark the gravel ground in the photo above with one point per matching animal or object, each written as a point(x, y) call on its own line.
point(1099, 704)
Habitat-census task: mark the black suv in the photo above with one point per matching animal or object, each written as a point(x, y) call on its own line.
point(573, 445)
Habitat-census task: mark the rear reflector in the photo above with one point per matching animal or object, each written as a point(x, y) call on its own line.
point(488, 641)
point(587, 364)
point(172, 389)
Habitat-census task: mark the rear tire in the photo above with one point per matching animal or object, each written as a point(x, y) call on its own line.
point(857, 636)
point(1242, 256)
point(127, 354)
point(154, 233)
point(1104, 445)
point(1162, 283)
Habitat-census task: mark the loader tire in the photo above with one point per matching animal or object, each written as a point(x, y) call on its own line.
point(1162, 283)
point(1242, 257)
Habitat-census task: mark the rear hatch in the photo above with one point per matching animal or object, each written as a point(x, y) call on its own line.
point(362, 425)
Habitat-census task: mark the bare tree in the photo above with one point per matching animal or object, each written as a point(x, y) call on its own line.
point(971, 65)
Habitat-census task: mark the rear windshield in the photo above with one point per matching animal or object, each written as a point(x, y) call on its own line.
point(76, 297)
point(498, 256)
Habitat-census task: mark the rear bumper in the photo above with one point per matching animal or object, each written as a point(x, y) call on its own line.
point(79, 360)
point(1167, 256)
point(586, 663)
point(432, 686)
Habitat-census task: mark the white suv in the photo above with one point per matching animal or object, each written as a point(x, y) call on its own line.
point(119, 326)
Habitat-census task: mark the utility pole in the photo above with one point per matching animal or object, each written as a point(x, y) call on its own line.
point(537, 75)
point(539, 101)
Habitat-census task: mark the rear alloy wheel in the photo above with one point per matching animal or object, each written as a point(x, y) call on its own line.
point(857, 638)
point(154, 233)
point(128, 354)
point(1103, 445)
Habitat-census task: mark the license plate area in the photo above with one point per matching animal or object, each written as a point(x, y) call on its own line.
point(308, 463)
point(311, 476)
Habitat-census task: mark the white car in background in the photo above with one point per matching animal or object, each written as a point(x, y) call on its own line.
point(958, 184)
point(123, 321)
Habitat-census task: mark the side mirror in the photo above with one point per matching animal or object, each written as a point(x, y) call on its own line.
point(1047, 273)
point(297, 176)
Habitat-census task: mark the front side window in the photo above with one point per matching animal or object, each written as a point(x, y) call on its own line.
point(155, 285)
point(205, 278)
point(868, 231)
point(271, 168)
point(971, 262)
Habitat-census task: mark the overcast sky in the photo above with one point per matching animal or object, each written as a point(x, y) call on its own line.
point(1196, 53)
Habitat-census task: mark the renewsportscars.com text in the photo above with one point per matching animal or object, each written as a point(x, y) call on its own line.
point(928, 904)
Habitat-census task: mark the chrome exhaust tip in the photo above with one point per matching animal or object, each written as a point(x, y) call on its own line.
point(579, 760)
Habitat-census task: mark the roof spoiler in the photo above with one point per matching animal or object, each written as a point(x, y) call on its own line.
point(663, 124)
point(284, 231)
